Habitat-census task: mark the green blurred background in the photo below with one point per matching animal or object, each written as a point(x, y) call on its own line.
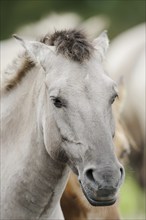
point(122, 13)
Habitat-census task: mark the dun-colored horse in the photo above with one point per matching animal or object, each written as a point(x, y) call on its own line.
point(56, 115)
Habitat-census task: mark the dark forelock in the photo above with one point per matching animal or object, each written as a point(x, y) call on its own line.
point(71, 43)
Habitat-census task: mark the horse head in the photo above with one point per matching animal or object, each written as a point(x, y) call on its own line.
point(76, 115)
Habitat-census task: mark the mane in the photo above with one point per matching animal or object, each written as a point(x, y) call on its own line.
point(72, 44)
point(16, 71)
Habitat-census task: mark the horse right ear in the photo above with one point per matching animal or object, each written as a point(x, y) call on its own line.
point(101, 44)
point(37, 51)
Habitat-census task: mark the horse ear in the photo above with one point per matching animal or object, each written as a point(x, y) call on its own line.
point(101, 44)
point(36, 50)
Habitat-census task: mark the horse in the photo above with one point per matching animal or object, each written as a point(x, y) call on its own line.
point(56, 115)
point(130, 65)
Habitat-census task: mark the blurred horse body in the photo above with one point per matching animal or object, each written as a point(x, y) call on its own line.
point(126, 58)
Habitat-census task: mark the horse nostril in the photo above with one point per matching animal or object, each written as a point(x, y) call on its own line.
point(89, 175)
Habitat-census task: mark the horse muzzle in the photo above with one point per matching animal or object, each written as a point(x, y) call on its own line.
point(100, 186)
point(100, 197)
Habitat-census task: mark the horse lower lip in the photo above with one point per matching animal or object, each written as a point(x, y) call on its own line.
point(101, 202)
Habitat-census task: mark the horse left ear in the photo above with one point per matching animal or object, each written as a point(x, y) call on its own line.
point(101, 44)
point(36, 50)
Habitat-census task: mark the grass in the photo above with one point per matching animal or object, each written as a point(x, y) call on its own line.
point(132, 200)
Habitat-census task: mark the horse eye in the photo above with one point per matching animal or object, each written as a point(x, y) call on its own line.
point(57, 102)
point(113, 98)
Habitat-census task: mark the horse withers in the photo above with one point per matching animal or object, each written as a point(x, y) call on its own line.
point(57, 114)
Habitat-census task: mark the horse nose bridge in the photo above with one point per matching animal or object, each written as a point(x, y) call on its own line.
point(106, 174)
point(99, 152)
point(98, 132)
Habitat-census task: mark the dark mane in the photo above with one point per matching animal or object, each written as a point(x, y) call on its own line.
point(20, 66)
point(71, 43)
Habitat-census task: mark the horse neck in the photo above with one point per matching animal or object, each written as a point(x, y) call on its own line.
point(16, 106)
point(42, 179)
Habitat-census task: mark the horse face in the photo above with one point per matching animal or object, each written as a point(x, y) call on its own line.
point(81, 100)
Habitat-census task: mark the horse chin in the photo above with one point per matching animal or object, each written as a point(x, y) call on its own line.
point(102, 201)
